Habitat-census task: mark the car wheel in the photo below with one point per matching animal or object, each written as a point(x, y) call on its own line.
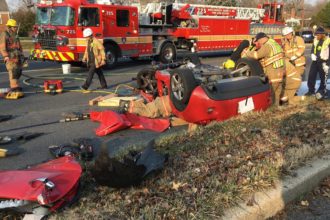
point(111, 56)
point(182, 83)
point(146, 80)
point(167, 53)
point(254, 67)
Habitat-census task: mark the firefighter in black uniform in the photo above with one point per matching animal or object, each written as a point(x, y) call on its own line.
point(320, 56)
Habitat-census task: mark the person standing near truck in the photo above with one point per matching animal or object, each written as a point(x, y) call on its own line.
point(320, 65)
point(11, 51)
point(94, 56)
point(295, 61)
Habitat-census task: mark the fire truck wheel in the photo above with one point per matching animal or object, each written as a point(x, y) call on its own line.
point(182, 83)
point(254, 67)
point(146, 80)
point(167, 53)
point(111, 56)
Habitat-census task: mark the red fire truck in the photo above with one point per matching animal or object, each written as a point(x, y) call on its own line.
point(159, 30)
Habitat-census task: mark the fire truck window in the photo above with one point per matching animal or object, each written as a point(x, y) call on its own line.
point(89, 17)
point(272, 13)
point(62, 16)
point(43, 16)
point(122, 18)
point(279, 14)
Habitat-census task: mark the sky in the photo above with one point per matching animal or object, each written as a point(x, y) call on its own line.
point(14, 3)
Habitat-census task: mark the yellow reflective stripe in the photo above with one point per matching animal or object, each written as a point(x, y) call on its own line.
point(255, 55)
point(62, 58)
point(276, 80)
point(276, 49)
point(71, 55)
point(273, 59)
point(300, 64)
point(55, 56)
point(297, 79)
point(291, 51)
point(293, 73)
point(49, 55)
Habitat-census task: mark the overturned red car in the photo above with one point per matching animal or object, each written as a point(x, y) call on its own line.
point(200, 93)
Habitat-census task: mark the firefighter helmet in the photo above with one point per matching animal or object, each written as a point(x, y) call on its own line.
point(11, 23)
point(229, 64)
point(87, 32)
point(287, 30)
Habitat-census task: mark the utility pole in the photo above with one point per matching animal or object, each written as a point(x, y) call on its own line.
point(302, 13)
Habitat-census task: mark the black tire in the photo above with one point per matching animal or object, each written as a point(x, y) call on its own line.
point(255, 68)
point(182, 83)
point(135, 58)
point(167, 53)
point(146, 80)
point(111, 56)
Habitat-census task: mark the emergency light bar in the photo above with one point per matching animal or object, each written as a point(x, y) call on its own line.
point(49, 2)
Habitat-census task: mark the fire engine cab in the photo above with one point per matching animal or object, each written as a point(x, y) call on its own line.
point(159, 30)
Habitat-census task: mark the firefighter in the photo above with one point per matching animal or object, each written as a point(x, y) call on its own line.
point(320, 64)
point(160, 107)
point(271, 56)
point(11, 51)
point(95, 58)
point(294, 48)
point(292, 84)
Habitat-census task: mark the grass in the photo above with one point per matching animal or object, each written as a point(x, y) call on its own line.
point(27, 45)
point(215, 167)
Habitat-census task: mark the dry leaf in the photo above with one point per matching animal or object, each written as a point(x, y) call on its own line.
point(177, 185)
point(304, 203)
point(252, 201)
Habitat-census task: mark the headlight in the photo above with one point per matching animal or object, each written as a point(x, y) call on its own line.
point(35, 39)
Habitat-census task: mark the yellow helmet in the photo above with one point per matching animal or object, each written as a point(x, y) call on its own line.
point(11, 23)
point(229, 64)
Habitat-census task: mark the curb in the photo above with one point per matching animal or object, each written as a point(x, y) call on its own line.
point(269, 203)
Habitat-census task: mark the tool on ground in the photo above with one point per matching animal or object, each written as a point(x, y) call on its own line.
point(22, 137)
point(5, 117)
point(9, 152)
point(75, 116)
point(69, 117)
point(8, 139)
point(53, 87)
